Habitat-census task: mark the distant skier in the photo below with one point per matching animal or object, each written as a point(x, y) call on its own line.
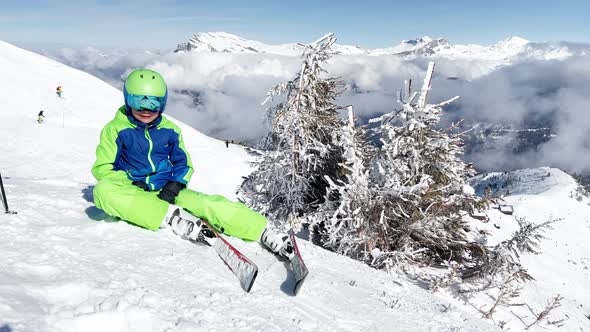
point(143, 168)
point(58, 91)
point(226, 143)
point(40, 116)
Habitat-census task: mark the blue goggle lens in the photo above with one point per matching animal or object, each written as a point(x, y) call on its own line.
point(146, 103)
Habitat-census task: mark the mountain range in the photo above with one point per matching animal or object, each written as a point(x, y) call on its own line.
point(425, 46)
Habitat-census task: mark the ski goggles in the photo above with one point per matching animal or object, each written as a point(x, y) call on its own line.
point(146, 103)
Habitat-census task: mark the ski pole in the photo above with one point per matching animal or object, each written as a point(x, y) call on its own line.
point(3, 194)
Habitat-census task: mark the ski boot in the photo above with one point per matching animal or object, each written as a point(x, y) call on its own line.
point(188, 227)
point(278, 242)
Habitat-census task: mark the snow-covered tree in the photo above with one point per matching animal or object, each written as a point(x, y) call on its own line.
point(299, 151)
point(406, 202)
point(421, 182)
point(340, 220)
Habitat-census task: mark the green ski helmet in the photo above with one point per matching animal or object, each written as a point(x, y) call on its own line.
point(145, 89)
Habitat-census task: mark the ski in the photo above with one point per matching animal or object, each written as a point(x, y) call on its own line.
point(238, 263)
point(297, 265)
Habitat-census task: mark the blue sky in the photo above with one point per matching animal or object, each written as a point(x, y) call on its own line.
point(367, 23)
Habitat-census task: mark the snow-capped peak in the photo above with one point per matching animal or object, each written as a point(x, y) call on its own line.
point(227, 42)
point(412, 47)
point(512, 43)
point(214, 42)
point(416, 41)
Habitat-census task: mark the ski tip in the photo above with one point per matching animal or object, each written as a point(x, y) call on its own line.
point(298, 285)
point(248, 286)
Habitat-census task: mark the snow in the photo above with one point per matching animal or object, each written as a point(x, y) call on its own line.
point(66, 266)
point(563, 265)
point(226, 42)
point(509, 50)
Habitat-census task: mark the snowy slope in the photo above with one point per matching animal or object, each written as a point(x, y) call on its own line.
point(563, 265)
point(66, 266)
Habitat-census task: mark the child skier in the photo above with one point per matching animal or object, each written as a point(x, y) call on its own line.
point(40, 117)
point(58, 91)
point(143, 168)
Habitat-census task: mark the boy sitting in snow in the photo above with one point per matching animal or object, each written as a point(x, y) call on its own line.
point(143, 168)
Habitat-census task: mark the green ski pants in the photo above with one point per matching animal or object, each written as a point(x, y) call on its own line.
point(143, 208)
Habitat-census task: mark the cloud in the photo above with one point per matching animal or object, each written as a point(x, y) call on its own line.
point(220, 94)
point(535, 94)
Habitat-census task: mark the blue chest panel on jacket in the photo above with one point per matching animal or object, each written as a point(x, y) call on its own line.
point(134, 154)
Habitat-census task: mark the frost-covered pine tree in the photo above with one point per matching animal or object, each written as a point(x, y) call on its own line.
point(421, 181)
point(340, 221)
point(404, 204)
point(299, 151)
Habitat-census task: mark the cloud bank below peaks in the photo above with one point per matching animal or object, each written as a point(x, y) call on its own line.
point(535, 85)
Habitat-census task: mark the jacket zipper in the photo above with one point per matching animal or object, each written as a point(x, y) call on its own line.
point(149, 157)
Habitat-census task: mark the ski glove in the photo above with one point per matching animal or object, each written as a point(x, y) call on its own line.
point(170, 191)
point(141, 185)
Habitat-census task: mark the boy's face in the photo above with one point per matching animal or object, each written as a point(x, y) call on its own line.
point(144, 116)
